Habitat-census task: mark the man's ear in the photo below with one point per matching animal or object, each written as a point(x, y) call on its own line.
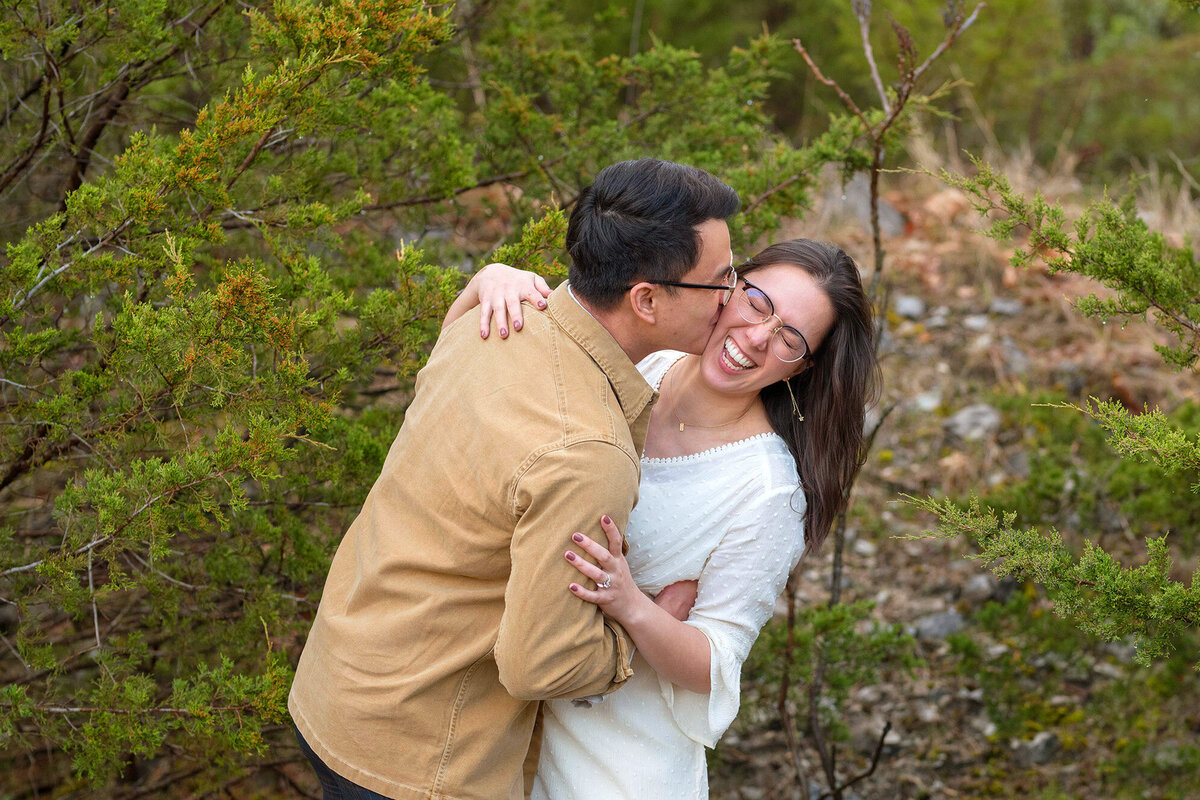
point(643, 302)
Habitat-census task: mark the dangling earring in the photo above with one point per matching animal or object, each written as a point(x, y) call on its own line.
point(795, 405)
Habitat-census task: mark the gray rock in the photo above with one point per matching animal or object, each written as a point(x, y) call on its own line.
point(976, 322)
point(865, 734)
point(973, 695)
point(996, 650)
point(1121, 651)
point(974, 422)
point(909, 306)
point(1017, 464)
point(1015, 359)
point(871, 419)
point(1168, 755)
point(928, 401)
point(938, 626)
point(1007, 306)
point(929, 714)
point(868, 695)
point(865, 548)
point(982, 724)
point(938, 317)
point(980, 587)
point(853, 199)
point(1040, 750)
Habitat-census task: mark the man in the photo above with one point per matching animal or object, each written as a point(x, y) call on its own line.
point(446, 614)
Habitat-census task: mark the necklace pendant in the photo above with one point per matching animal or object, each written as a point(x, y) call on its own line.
point(681, 427)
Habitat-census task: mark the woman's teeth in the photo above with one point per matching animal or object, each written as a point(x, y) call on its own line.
point(735, 358)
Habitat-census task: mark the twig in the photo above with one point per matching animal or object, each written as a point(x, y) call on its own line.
point(862, 10)
point(816, 71)
point(785, 713)
point(887, 727)
point(92, 592)
point(1183, 171)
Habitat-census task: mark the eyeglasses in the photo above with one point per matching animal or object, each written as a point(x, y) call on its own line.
point(725, 289)
point(787, 343)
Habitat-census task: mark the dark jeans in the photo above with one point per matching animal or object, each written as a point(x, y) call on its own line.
point(334, 786)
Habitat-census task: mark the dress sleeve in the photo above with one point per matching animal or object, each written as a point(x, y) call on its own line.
point(739, 584)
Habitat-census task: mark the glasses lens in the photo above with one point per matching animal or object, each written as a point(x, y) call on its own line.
point(753, 305)
point(788, 344)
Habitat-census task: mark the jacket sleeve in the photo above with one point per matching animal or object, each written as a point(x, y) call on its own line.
point(552, 644)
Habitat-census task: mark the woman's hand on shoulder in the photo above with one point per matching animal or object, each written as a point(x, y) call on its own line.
point(500, 289)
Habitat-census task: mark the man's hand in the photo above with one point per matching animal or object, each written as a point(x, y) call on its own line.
point(678, 599)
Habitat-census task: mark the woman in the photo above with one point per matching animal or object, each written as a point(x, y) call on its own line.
point(750, 452)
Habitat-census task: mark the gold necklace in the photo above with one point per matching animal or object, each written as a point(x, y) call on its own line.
point(733, 421)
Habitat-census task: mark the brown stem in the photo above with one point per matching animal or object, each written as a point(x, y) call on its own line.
point(816, 71)
point(876, 234)
point(887, 727)
point(816, 729)
point(785, 683)
point(16, 168)
point(83, 154)
point(863, 12)
point(779, 187)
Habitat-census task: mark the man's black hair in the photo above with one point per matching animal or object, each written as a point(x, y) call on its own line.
point(638, 221)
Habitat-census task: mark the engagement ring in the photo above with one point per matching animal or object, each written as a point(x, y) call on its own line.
point(607, 582)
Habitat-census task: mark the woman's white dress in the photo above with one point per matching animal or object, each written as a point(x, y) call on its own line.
point(731, 517)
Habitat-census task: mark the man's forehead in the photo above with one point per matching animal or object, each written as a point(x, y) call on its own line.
point(724, 268)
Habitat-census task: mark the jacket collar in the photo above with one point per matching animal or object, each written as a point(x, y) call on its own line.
point(633, 393)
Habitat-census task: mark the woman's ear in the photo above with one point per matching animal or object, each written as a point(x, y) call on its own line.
point(642, 299)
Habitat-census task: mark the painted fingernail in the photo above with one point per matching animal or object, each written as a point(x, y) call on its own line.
point(570, 556)
point(504, 331)
point(606, 519)
point(541, 303)
point(577, 537)
point(574, 587)
point(517, 325)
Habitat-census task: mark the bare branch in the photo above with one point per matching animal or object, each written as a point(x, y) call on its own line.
point(816, 71)
point(887, 727)
point(960, 25)
point(862, 10)
point(17, 168)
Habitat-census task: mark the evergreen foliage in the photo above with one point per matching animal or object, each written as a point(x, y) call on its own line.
point(1150, 280)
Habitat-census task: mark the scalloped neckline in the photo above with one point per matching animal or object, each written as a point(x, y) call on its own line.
point(694, 456)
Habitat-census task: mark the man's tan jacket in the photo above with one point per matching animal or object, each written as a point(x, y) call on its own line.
point(446, 613)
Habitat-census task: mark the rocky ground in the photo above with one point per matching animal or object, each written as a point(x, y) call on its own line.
point(963, 329)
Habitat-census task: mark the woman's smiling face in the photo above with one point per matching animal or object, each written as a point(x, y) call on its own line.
point(739, 357)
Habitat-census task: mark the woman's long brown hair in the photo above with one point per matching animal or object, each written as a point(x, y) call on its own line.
point(834, 392)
